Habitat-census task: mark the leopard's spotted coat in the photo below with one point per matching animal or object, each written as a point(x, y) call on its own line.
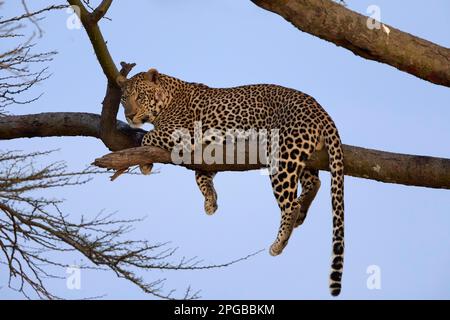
point(304, 127)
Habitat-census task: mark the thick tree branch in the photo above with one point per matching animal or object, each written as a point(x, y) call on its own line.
point(335, 23)
point(114, 139)
point(56, 124)
point(359, 162)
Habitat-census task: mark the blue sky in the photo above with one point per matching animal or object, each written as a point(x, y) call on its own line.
point(403, 230)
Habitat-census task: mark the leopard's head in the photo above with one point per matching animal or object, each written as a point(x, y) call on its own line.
point(143, 97)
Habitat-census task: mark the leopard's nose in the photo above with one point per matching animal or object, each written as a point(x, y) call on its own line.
point(130, 115)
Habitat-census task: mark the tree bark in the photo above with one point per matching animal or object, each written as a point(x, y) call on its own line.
point(112, 131)
point(335, 23)
point(59, 124)
point(113, 138)
point(359, 162)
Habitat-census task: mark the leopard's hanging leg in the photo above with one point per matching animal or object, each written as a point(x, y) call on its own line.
point(310, 182)
point(285, 184)
point(205, 183)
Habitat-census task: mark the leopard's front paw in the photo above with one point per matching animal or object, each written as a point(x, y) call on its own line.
point(211, 203)
point(146, 169)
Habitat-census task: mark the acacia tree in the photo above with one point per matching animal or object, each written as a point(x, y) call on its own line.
point(323, 18)
point(34, 229)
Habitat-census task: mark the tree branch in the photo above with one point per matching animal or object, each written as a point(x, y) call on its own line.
point(359, 162)
point(57, 124)
point(28, 15)
point(335, 23)
point(114, 139)
point(101, 10)
point(89, 21)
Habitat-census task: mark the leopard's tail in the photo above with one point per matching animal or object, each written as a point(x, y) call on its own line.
point(336, 163)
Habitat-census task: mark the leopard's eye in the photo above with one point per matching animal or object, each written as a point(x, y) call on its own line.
point(141, 97)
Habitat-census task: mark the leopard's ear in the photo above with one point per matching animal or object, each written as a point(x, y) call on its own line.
point(121, 81)
point(153, 75)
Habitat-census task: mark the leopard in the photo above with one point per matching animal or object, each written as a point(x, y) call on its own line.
point(304, 127)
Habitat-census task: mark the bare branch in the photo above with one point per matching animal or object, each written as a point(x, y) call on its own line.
point(55, 124)
point(111, 137)
point(359, 162)
point(101, 10)
point(28, 15)
point(98, 42)
point(335, 23)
